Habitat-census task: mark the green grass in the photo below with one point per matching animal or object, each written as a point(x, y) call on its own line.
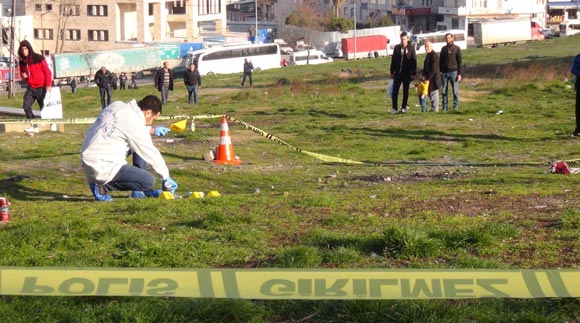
point(465, 189)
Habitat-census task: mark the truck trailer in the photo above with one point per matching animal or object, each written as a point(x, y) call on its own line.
point(365, 46)
point(84, 65)
point(495, 32)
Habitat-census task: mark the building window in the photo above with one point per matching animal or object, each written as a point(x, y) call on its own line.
point(38, 7)
point(352, 12)
point(70, 10)
point(151, 11)
point(45, 33)
point(97, 10)
point(178, 8)
point(98, 35)
point(205, 7)
point(72, 34)
point(454, 23)
point(48, 7)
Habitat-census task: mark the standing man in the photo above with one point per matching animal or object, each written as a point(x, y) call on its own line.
point(103, 80)
point(164, 81)
point(403, 69)
point(450, 66)
point(431, 71)
point(119, 130)
point(73, 84)
point(114, 81)
point(576, 71)
point(35, 71)
point(122, 81)
point(248, 67)
point(192, 81)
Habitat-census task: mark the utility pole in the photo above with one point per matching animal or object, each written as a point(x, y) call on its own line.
point(11, 64)
point(256, 13)
point(355, 13)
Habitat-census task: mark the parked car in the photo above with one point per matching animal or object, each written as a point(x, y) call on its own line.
point(5, 61)
point(303, 57)
point(548, 33)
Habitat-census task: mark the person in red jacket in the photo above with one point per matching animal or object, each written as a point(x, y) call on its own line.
point(35, 71)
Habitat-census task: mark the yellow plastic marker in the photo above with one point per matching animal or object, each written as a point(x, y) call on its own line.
point(196, 195)
point(213, 194)
point(178, 126)
point(166, 196)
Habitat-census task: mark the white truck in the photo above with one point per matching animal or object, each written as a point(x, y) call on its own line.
point(495, 32)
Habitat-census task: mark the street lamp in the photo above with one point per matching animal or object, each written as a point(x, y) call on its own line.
point(12, 58)
point(256, 13)
point(355, 13)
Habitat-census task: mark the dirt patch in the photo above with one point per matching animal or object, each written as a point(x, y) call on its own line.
point(412, 178)
point(542, 209)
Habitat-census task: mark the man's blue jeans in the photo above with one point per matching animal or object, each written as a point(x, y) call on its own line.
point(164, 94)
point(131, 178)
point(450, 77)
point(105, 91)
point(193, 91)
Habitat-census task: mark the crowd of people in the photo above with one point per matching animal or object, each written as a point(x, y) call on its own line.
point(440, 71)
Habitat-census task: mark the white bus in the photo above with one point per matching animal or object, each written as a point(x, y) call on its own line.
point(230, 59)
point(569, 28)
point(438, 40)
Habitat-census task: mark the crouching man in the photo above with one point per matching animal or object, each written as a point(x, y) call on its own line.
point(119, 130)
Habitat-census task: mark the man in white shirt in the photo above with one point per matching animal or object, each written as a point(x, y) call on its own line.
point(120, 129)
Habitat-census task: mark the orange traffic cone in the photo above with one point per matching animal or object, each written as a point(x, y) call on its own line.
point(225, 152)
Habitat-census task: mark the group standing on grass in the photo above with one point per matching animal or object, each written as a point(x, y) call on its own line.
point(438, 72)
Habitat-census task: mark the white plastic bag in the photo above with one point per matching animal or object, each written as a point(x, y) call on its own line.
point(52, 105)
point(390, 88)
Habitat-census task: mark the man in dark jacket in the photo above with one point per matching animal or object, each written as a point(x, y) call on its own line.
point(431, 71)
point(248, 67)
point(103, 80)
point(576, 71)
point(192, 81)
point(403, 69)
point(35, 71)
point(450, 67)
point(164, 81)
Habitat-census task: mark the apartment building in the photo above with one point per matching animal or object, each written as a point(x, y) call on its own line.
point(363, 11)
point(87, 25)
point(457, 13)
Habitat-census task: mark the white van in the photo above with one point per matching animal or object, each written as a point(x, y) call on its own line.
point(569, 28)
point(302, 57)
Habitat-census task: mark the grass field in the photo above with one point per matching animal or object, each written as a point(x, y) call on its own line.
point(461, 190)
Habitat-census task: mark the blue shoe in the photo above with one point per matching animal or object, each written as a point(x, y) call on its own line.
point(137, 195)
point(152, 193)
point(144, 194)
point(99, 193)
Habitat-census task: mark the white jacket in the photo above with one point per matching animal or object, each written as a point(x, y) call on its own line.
point(119, 128)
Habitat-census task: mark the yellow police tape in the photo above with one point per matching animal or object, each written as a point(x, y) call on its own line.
point(307, 284)
point(325, 158)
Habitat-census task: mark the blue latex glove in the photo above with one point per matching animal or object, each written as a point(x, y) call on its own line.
point(169, 185)
point(161, 131)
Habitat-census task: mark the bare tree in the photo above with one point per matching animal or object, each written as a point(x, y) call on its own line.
point(67, 10)
point(337, 4)
point(310, 18)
